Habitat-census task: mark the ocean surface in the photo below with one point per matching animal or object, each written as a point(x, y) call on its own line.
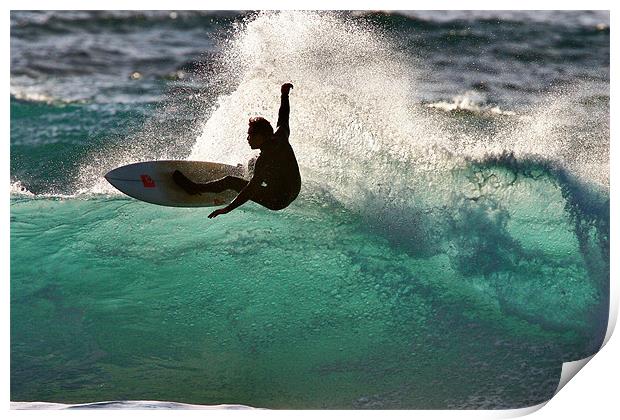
point(449, 248)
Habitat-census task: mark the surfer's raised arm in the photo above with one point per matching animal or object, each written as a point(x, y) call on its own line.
point(285, 107)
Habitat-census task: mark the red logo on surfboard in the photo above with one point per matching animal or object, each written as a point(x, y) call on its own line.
point(147, 181)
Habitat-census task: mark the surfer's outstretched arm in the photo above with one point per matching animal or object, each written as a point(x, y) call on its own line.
point(244, 196)
point(285, 107)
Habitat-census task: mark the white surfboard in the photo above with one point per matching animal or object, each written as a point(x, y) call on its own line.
point(152, 182)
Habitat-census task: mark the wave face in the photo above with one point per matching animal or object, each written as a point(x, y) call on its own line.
point(438, 256)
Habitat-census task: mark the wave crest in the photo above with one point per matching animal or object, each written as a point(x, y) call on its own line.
point(470, 101)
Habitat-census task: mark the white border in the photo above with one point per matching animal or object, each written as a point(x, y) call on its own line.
point(592, 394)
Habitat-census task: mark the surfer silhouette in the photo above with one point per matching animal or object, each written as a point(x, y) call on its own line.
point(276, 180)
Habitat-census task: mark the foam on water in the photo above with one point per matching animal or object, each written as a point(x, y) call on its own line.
point(125, 405)
point(357, 125)
point(355, 120)
point(361, 137)
point(18, 189)
point(470, 101)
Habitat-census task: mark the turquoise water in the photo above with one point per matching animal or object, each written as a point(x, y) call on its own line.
point(437, 257)
point(117, 299)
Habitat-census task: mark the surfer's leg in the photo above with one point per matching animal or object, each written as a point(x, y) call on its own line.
point(223, 184)
point(184, 182)
point(264, 196)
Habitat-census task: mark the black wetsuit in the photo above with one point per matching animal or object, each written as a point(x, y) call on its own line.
point(276, 173)
point(276, 168)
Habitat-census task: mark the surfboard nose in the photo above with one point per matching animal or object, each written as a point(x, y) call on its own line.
point(113, 173)
point(110, 178)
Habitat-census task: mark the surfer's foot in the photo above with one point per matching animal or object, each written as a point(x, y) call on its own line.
point(184, 182)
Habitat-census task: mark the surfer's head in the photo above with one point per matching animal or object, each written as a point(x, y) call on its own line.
point(259, 131)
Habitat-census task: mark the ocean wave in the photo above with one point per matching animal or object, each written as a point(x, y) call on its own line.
point(470, 101)
point(590, 20)
point(427, 233)
point(125, 405)
point(35, 95)
point(66, 22)
point(122, 21)
point(409, 278)
point(411, 174)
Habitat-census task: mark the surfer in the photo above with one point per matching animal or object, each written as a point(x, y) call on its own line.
point(276, 180)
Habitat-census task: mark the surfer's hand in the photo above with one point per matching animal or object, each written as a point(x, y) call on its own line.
point(286, 88)
point(218, 212)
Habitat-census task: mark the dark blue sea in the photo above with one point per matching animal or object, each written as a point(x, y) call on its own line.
point(449, 247)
